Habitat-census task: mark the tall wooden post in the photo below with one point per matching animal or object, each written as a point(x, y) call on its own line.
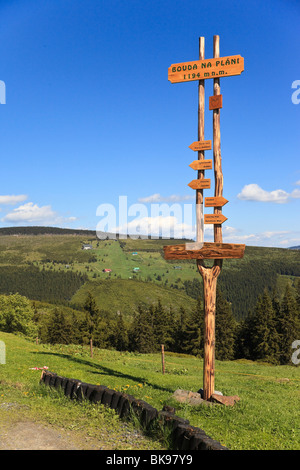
point(210, 274)
point(201, 114)
point(201, 70)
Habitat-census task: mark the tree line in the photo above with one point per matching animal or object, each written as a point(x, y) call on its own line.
point(266, 334)
point(48, 285)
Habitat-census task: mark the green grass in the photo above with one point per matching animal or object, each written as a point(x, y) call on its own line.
point(267, 416)
point(125, 295)
point(22, 398)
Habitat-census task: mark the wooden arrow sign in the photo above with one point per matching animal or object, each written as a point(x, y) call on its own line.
point(200, 184)
point(201, 145)
point(214, 218)
point(208, 68)
point(201, 165)
point(215, 201)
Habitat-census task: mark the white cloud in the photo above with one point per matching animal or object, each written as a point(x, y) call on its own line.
point(32, 213)
point(154, 198)
point(12, 199)
point(253, 192)
point(165, 226)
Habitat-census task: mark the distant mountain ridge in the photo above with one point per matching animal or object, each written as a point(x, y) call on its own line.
point(294, 247)
point(40, 230)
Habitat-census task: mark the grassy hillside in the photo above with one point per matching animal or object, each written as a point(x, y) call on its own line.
point(125, 295)
point(139, 260)
point(265, 418)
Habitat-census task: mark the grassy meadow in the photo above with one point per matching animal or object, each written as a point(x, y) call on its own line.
point(265, 418)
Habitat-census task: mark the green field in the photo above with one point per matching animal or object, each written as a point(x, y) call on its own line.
point(267, 416)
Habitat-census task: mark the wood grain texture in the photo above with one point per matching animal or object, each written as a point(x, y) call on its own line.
point(216, 251)
point(215, 102)
point(201, 165)
point(203, 69)
point(200, 184)
point(217, 219)
point(200, 145)
point(218, 237)
point(215, 201)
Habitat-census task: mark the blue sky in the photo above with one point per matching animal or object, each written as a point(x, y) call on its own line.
point(89, 114)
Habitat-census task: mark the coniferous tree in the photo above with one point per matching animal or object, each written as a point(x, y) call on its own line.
point(59, 329)
point(225, 328)
point(141, 333)
point(193, 342)
point(263, 332)
point(92, 316)
point(121, 335)
point(288, 325)
point(243, 344)
point(180, 330)
point(163, 326)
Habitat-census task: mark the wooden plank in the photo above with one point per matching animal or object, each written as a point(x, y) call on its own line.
point(208, 68)
point(215, 102)
point(200, 184)
point(208, 251)
point(201, 165)
point(214, 218)
point(215, 201)
point(201, 145)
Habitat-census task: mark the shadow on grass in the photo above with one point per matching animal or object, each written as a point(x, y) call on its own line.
point(100, 369)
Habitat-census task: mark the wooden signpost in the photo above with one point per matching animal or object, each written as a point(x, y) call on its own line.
point(201, 165)
point(201, 145)
point(200, 184)
point(215, 201)
point(214, 218)
point(201, 70)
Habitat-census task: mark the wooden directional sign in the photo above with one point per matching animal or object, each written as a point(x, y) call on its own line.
point(214, 218)
point(201, 145)
point(208, 251)
point(208, 68)
point(215, 102)
point(215, 201)
point(201, 165)
point(200, 184)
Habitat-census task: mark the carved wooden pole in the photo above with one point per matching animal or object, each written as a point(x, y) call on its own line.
point(210, 274)
point(201, 109)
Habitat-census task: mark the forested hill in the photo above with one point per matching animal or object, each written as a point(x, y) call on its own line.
point(36, 230)
point(54, 264)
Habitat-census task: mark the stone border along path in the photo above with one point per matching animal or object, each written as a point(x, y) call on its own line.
point(183, 435)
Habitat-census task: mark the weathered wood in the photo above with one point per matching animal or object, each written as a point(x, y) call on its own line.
point(200, 145)
point(163, 358)
point(210, 276)
point(203, 69)
point(218, 238)
point(200, 184)
point(214, 219)
point(215, 201)
point(201, 165)
point(217, 251)
point(215, 102)
point(201, 114)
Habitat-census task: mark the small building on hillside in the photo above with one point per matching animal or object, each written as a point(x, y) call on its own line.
point(136, 270)
point(106, 270)
point(87, 247)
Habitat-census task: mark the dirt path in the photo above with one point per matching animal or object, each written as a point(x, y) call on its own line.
point(19, 432)
point(32, 436)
